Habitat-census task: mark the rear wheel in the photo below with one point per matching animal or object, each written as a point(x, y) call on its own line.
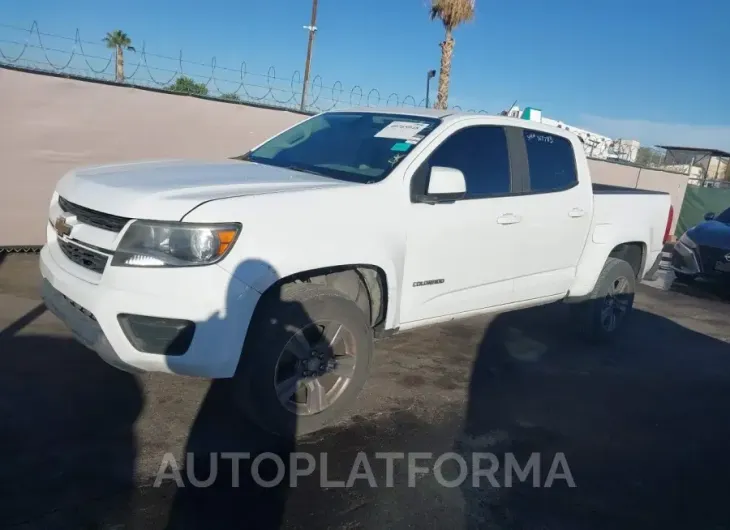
point(305, 361)
point(604, 311)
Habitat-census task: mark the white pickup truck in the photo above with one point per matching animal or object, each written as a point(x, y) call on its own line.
point(278, 268)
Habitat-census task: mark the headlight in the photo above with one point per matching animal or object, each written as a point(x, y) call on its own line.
point(687, 242)
point(164, 244)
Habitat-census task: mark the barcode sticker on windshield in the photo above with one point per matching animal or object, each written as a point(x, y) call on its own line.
point(401, 130)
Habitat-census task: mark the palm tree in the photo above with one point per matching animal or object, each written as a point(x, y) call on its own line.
point(119, 41)
point(452, 13)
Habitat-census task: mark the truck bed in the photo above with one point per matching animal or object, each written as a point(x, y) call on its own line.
point(635, 214)
point(608, 189)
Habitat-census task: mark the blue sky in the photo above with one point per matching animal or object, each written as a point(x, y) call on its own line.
point(645, 69)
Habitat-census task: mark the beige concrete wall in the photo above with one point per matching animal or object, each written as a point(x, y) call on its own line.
point(50, 125)
point(672, 183)
point(614, 174)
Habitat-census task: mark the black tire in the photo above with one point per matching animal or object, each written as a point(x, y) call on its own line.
point(281, 315)
point(588, 314)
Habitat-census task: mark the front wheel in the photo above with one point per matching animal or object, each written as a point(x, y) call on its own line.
point(305, 361)
point(604, 311)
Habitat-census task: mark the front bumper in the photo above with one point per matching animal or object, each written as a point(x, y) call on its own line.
point(684, 260)
point(702, 261)
point(220, 306)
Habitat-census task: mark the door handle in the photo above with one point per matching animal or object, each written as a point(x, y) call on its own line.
point(576, 212)
point(509, 219)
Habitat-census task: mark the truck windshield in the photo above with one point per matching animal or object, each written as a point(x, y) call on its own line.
point(357, 147)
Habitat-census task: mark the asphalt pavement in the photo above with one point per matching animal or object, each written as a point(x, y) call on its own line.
point(642, 427)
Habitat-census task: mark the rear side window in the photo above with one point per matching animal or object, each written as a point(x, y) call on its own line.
point(551, 160)
point(480, 153)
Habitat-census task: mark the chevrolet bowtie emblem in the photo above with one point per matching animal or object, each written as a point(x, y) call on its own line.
point(62, 227)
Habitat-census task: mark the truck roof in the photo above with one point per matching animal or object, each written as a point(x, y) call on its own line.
point(454, 115)
point(415, 111)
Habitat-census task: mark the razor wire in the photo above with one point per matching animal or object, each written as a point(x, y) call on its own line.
point(140, 70)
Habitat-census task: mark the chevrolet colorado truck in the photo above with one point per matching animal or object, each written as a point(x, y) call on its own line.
point(278, 268)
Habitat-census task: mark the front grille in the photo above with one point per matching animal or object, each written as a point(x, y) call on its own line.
point(85, 258)
point(709, 256)
point(105, 221)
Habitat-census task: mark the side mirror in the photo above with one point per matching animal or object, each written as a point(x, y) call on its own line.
point(709, 216)
point(445, 184)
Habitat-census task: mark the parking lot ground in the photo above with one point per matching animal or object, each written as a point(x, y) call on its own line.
point(642, 424)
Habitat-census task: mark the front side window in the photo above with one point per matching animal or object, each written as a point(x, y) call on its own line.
point(480, 153)
point(357, 147)
point(551, 160)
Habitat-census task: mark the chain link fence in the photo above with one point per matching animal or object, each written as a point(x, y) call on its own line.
point(621, 152)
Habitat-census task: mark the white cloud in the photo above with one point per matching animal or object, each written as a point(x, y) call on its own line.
point(653, 133)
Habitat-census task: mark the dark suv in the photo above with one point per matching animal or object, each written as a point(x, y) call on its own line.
point(704, 250)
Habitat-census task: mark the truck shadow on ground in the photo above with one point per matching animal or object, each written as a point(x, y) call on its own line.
point(66, 433)
point(642, 424)
point(247, 469)
point(217, 487)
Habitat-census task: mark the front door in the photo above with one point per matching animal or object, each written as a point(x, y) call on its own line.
point(458, 256)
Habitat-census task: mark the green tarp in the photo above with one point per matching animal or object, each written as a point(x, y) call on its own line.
point(697, 202)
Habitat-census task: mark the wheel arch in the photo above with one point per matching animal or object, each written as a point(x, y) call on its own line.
point(594, 259)
point(367, 285)
point(634, 253)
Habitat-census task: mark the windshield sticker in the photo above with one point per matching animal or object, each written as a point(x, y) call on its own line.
point(401, 147)
point(401, 130)
point(415, 139)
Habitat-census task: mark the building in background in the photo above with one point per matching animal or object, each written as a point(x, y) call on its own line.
point(709, 167)
point(705, 167)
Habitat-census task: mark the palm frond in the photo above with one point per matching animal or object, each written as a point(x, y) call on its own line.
point(117, 38)
point(452, 12)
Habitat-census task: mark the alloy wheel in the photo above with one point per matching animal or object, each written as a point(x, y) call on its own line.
point(315, 367)
point(615, 304)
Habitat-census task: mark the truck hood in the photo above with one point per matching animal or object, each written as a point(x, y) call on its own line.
point(711, 234)
point(167, 190)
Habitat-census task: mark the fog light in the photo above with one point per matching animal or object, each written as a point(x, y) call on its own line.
point(162, 336)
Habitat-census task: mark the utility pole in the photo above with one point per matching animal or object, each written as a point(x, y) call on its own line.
point(312, 28)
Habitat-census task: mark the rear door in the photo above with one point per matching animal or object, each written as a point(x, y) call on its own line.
point(555, 208)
